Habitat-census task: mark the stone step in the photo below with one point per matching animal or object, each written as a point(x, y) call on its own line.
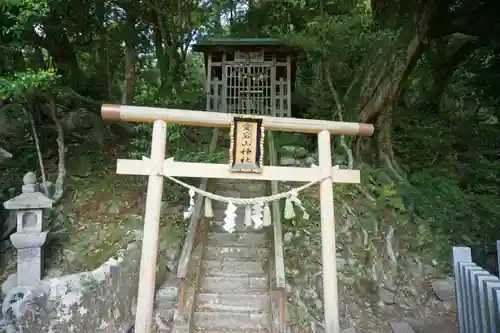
point(236, 253)
point(228, 284)
point(166, 295)
point(401, 327)
point(234, 268)
point(237, 239)
point(207, 302)
point(348, 330)
point(231, 320)
point(221, 330)
point(218, 227)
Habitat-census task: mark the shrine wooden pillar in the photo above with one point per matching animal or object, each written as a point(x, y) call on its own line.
point(147, 274)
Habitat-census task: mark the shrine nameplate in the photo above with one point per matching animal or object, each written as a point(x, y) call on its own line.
point(246, 153)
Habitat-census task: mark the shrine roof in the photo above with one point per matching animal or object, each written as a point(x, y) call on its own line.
point(231, 43)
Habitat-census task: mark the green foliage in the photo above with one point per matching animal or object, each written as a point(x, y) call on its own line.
point(29, 84)
point(455, 178)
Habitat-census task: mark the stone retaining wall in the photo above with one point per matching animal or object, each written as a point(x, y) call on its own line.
point(101, 301)
point(296, 156)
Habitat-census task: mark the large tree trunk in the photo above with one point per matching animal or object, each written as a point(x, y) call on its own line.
point(103, 62)
point(130, 58)
point(128, 84)
point(160, 54)
point(383, 83)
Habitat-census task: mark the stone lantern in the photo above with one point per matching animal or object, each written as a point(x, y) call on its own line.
point(29, 238)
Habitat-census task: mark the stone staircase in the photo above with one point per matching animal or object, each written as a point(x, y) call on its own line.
point(232, 292)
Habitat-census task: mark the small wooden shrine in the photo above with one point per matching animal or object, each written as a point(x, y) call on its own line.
point(253, 76)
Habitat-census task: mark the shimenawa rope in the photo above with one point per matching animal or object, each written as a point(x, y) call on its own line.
point(246, 201)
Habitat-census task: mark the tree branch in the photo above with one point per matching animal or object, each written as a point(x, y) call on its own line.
point(442, 71)
point(340, 112)
point(4, 154)
point(61, 150)
point(38, 152)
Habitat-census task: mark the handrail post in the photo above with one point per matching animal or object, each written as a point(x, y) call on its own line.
point(191, 236)
point(279, 264)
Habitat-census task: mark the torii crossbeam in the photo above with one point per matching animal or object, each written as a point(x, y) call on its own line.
point(157, 166)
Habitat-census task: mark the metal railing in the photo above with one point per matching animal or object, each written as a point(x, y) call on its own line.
point(478, 294)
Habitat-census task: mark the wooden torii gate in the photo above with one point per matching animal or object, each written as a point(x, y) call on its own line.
point(157, 166)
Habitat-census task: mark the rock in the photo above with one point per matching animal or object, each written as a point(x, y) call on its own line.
point(293, 151)
point(299, 162)
point(340, 262)
point(386, 296)
point(310, 160)
point(9, 125)
point(286, 160)
point(450, 306)
point(444, 289)
point(51, 188)
point(53, 272)
point(69, 255)
point(171, 256)
point(287, 151)
point(79, 119)
point(349, 330)
point(401, 328)
point(8, 222)
point(170, 209)
point(318, 286)
point(4, 154)
point(300, 152)
point(4, 245)
point(163, 321)
point(339, 160)
point(9, 283)
point(288, 237)
point(111, 207)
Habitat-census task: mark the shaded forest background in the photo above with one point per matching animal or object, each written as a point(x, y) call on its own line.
point(426, 73)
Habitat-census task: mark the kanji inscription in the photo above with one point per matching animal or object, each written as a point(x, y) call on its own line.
point(247, 143)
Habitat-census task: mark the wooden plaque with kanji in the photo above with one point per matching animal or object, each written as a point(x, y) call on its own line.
point(246, 153)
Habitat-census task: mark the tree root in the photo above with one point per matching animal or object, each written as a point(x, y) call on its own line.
point(392, 166)
point(367, 195)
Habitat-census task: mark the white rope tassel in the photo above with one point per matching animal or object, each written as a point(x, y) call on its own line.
point(248, 216)
point(267, 215)
point(294, 198)
point(289, 211)
point(187, 214)
point(257, 215)
point(208, 208)
point(229, 221)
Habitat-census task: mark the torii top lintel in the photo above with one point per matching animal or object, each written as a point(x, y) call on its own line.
point(217, 119)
